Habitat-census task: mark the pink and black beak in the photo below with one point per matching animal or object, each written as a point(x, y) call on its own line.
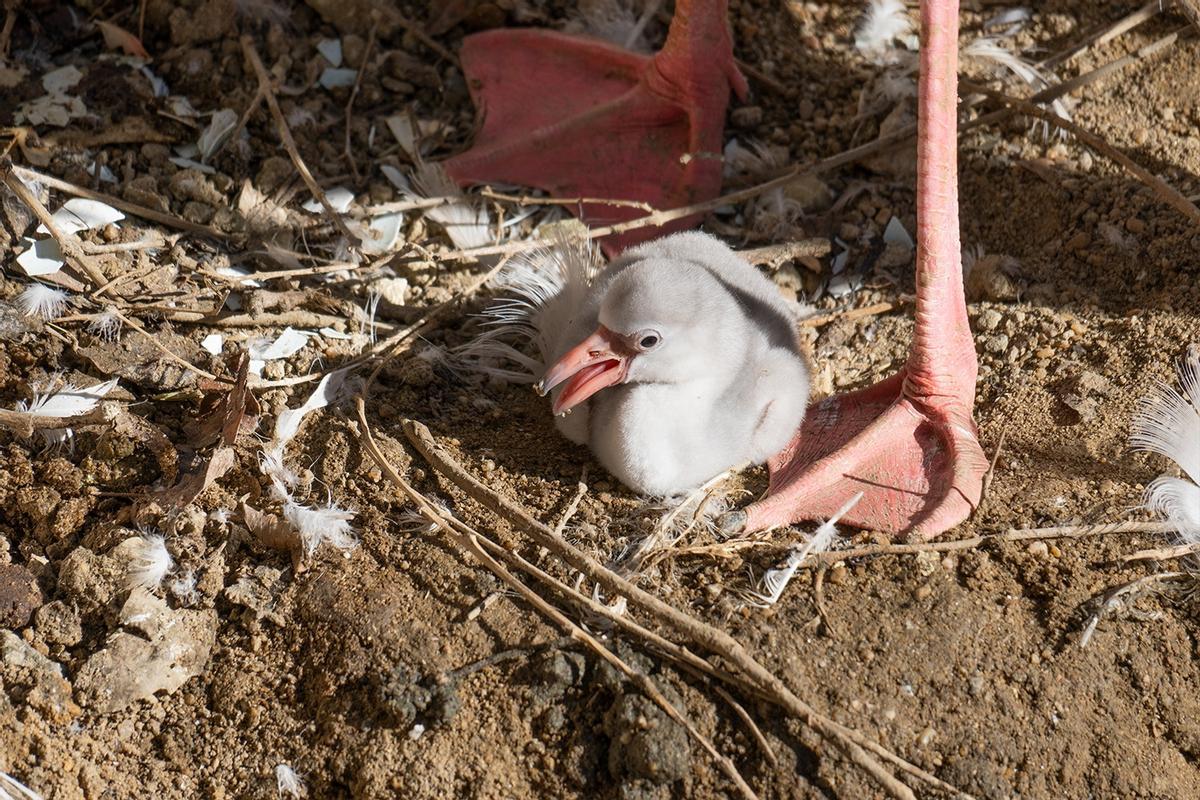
point(599, 361)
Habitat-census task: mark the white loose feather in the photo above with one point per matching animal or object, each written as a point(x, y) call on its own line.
point(997, 57)
point(288, 782)
point(774, 581)
point(885, 23)
point(328, 523)
point(149, 563)
point(287, 423)
point(68, 401)
point(40, 300)
point(615, 21)
point(13, 789)
point(1167, 422)
point(466, 222)
point(105, 325)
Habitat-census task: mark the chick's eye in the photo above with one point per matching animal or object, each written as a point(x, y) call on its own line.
point(648, 341)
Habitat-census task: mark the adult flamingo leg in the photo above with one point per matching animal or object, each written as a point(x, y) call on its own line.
point(578, 117)
point(909, 442)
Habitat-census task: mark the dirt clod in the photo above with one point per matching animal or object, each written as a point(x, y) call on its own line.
point(19, 596)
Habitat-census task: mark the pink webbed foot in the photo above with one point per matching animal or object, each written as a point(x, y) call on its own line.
point(919, 465)
point(582, 118)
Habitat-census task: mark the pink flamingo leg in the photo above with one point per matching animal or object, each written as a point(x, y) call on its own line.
point(909, 442)
point(581, 118)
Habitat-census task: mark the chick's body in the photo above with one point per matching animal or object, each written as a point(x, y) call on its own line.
point(725, 383)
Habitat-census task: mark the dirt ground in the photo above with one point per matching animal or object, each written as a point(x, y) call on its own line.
point(369, 671)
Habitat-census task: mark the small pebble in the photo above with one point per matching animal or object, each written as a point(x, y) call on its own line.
point(1039, 549)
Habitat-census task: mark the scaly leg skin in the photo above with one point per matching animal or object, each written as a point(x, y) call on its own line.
point(581, 118)
point(909, 442)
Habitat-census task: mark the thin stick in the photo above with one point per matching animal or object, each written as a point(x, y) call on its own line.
point(409, 205)
point(761, 77)
point(647, 14)
point(289, 144)
point(1115, 597)
point(163, 349)
point(819, 600)
point(267, 275)
point(530, 200)
point(991, 472)
point(473, 543)
point(390, 347)
point(24, 424)
point(170, 220)
point(419, 32)
point(662, 217)
point(1108, 33)
point(1074, 531)
point(750, 724)
point(854, 313)
point(1167, 193)
point(10, 19)
point(354, 94)
point(778, 253)
point(260, 94)
point(1163, 553)
point(1063, 532)
point(66, 242)
point(704, 635)
point(580, 490)
point(1191, 10)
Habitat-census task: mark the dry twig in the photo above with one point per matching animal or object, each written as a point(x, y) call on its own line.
point(1167, 193)
point(716, 641)
point(170, 220)
point(353, 95)
point(67, 242)
point(1115, 598)
point(1163, 553)
point(472, 542)
point(289, 144)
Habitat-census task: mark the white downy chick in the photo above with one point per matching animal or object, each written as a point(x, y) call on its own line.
point(679, 361)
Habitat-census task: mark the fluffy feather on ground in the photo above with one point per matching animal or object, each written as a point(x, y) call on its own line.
point(465, 220)
point(1168, 423)
point(69, 401)
point(289, 783)
point(149, 562)
point(774, 581)
point(40, 300)
point(885, 23)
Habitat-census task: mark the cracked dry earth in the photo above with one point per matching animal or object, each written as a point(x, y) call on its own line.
point(374, 673)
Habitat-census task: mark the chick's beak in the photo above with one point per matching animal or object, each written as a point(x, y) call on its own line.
point(599, 361)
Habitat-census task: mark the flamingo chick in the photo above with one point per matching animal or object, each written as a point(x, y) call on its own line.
point(676, 362)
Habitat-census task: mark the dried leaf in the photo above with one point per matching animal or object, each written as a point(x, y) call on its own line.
point(270, 530)
point(117, 38)
point(188, 489)
point(228, 413)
